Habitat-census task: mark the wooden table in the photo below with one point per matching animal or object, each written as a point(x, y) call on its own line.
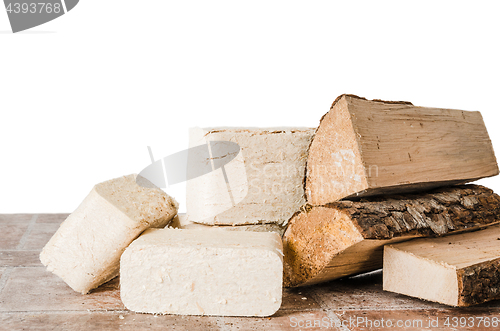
point(32, 298)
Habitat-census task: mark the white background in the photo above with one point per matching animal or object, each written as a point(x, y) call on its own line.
point(83, 96)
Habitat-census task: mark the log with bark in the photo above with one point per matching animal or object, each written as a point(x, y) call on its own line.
point(457, 270)
point(364, 148)
point(346, 238)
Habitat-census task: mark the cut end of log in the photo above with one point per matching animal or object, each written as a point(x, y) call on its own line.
point(404, 274)
point(334, 166)
point(318, 234)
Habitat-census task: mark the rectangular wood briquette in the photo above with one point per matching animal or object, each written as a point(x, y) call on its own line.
point(203, 272)
point(85, 251)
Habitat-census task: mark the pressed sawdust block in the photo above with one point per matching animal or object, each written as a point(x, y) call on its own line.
point(263, 184)
point(85, 251)
point(203, 272)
